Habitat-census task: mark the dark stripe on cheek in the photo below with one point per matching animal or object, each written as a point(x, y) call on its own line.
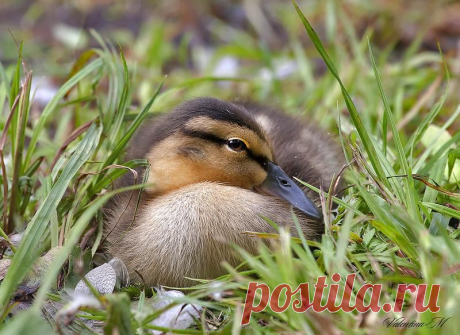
point(262, 160)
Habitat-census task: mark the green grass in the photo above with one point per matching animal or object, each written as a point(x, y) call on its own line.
point(391, 227)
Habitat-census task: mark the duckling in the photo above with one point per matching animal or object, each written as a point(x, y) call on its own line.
point(217, 169)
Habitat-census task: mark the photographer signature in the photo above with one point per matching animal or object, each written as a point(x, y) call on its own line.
point(402, 322)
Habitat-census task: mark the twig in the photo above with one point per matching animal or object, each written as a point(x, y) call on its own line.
point(420, 102)
point(85, 238)
point(2, 145)
point(435, 186)
point(77, 132)
point(18, 153)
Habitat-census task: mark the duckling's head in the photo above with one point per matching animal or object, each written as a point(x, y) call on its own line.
point(209, 140)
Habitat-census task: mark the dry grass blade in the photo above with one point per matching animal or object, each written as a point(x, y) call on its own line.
point(424, 179)
point(413, 112)
point(78, 65)
point(116, 166)
point(8, 121)
point(72, 137)
point(2, 161)
point(453, 269)
point(17, 162)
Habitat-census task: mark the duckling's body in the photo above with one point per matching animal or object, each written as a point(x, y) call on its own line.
point(212, 164)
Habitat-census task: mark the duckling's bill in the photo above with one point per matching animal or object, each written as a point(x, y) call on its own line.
point(278, 184)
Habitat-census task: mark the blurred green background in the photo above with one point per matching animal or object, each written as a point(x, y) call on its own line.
point(56, 32)
point(258, 40)
point(258, 47)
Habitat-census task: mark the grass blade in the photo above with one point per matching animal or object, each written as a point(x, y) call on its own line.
point(443, 209)
point(26, 254)
point(363, 133)
point(72, 240)
point(50, 108)
point(411, 195)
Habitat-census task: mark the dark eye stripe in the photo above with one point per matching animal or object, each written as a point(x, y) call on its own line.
point(203, 136)
point(261, 160)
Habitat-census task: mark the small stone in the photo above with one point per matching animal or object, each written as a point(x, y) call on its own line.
point(181, 316)
point(103, 279)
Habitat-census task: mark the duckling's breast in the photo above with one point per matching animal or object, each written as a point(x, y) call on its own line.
point(190, 232)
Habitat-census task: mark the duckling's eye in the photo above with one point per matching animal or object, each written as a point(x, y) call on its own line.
point(236, 144)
